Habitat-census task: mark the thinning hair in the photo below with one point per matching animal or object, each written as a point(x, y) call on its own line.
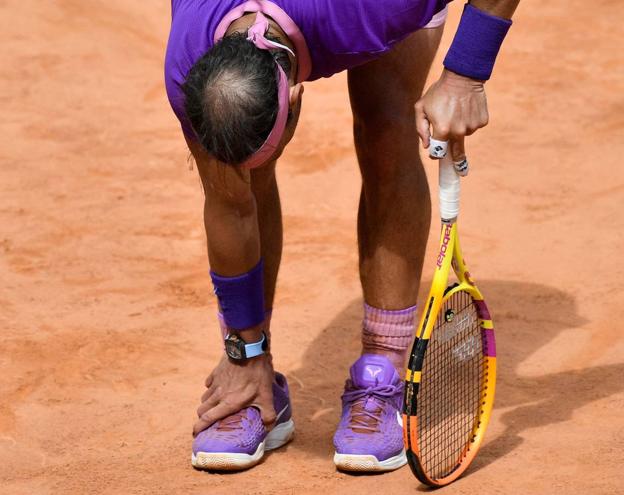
point(231, 97)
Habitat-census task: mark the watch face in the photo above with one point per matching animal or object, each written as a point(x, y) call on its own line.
point(235, 347)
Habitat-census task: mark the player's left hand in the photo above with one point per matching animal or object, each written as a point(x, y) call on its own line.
point(452, 108)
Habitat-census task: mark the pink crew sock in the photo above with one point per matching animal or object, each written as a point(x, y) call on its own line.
point(388, 332)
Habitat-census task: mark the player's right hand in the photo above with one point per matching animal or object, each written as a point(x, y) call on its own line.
point(452, 108)
point(233, 386)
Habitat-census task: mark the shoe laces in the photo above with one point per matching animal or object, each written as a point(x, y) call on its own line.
point(366, 406)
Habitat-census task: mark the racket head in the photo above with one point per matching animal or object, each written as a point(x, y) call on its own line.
point(450, 385)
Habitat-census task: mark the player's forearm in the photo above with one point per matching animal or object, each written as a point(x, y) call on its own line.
point(232, 234)
point(499, 8)
point(230, 215)
point(234, 251)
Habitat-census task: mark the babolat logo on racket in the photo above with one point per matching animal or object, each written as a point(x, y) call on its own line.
point(467, 349)
point(444, 246)
point(453, 326)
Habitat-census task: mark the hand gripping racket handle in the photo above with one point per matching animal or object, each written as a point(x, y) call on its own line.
point(449, 189)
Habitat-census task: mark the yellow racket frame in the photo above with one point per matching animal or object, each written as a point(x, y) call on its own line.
point(449, 256)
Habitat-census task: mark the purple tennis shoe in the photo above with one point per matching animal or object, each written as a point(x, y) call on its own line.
point(370, 434)
point(240, 440)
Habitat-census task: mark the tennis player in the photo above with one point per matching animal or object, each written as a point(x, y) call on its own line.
point(234, 74)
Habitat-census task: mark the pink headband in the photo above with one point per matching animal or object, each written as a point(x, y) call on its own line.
point(255, 34)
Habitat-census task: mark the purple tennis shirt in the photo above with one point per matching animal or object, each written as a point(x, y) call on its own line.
point(329, 35)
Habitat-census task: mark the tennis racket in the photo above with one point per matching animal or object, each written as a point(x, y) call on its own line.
point(451, 375)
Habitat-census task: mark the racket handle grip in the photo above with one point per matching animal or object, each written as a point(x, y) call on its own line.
point(449, 189)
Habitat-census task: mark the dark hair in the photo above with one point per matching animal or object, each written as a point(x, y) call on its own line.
point(231, 97)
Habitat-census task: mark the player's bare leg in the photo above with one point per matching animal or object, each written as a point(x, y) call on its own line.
point(393, 225)
point(395, 207)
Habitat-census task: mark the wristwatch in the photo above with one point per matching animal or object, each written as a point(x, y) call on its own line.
point(238, 350)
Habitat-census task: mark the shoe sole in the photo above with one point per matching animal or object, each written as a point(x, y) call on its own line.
point(368, 463)
point(227, 461)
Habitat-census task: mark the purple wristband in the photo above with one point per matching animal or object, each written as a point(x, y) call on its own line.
point(476, 43)
point(241, 298)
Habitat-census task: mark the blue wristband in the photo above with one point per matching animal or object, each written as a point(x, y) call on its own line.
point(241, 298)
point(476, 43)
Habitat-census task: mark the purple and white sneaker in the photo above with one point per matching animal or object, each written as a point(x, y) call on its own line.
point(370, 434)
point(240, 440)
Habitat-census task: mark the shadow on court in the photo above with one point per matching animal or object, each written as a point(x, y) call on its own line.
point(526, 316)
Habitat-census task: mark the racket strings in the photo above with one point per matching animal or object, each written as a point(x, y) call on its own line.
point(450, 389)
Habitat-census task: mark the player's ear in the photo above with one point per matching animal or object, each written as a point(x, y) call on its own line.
point(296, 94)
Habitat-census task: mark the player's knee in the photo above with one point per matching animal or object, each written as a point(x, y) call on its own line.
point(390, 175)
point(384, 122)
point(236, 197)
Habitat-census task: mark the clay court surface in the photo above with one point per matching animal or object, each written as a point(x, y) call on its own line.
point(106, 309)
